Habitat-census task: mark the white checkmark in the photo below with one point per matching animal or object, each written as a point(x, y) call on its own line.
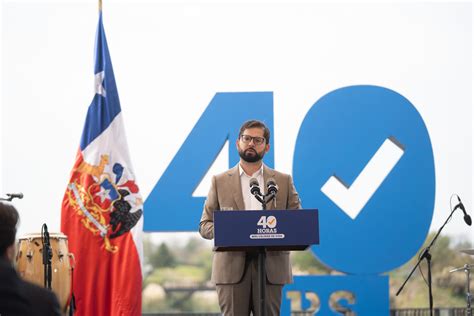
point(352, 199)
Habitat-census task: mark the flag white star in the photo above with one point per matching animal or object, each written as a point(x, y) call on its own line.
point(104, 194)
point(99, 79)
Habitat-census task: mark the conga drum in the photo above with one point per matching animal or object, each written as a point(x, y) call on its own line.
point(29, 263)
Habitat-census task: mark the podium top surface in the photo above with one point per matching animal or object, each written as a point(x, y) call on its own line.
point(274, 230)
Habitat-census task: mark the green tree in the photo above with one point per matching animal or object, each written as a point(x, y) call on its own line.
point(162, 257)
point(448, 288)
point(306, 262)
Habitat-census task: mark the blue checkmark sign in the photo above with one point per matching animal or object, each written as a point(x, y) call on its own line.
point(367, 154)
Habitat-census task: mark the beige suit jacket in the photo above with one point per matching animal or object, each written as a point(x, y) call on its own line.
point(226, 194)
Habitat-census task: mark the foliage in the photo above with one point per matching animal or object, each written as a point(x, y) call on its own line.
point(181, 274)
point(189, 266)
point(448, 288)
point(183, 269)
point(162, 257)
point(305, 262)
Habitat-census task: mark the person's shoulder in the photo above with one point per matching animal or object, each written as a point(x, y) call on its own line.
point(41, 296)
point(13, 300)
point(275, 173)
point(32, 288)
point(228, 173)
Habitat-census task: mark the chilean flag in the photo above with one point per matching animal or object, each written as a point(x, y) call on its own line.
point(102, 209)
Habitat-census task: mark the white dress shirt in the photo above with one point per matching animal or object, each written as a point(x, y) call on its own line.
point(250, 202)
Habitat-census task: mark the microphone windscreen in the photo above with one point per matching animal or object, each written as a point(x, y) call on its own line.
point(468, 219)
point(272, 187)
point(253, 182)
point(271, 181)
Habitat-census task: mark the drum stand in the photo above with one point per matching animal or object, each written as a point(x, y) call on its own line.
point(467, 269)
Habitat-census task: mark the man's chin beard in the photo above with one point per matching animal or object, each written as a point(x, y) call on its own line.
point(250, 158)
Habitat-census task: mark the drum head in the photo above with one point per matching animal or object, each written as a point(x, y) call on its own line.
point(38, 235)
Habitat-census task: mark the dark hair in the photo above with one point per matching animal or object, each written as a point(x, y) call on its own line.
point(256, 124)
point(9, 218)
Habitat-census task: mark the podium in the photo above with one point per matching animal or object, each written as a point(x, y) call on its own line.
point(261, 231)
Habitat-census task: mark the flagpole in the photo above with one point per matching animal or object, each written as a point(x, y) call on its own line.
point(100, 5)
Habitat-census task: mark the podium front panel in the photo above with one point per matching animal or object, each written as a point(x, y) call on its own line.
point(276, 228)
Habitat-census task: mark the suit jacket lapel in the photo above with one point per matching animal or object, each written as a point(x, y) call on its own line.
point(236, 186)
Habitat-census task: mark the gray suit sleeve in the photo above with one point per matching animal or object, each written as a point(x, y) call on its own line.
point(206, 225)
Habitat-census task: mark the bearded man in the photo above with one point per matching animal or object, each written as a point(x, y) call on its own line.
point(235, 272)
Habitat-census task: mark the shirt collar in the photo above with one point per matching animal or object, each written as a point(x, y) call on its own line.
point(256, 174)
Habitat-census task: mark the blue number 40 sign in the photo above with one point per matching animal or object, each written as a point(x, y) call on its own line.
point(363, 157)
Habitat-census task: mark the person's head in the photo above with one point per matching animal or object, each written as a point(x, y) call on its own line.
point(9, 218)
point(254, 141)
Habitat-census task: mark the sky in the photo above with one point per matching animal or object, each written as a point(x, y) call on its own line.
point(171, 57)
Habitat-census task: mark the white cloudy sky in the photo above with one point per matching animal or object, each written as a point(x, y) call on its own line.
point(171, 57)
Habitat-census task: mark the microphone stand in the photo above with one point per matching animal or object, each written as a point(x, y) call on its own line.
point(262, 274)
point(47, 256)
point(427, 255)
point(264, 199)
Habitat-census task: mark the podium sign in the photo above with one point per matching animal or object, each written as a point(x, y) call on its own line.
point(276, 229)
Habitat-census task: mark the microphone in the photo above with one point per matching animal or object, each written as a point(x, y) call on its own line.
point(254, 187)
point(15, 195)
point(272, 187)
point(467, 218)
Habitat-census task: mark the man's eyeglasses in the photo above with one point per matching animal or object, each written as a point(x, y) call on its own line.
point(256, 140)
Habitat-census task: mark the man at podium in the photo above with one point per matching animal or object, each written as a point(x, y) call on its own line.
point(235, 272)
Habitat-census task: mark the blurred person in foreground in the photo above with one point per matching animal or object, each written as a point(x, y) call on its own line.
point(18, 297)
point(235, 272)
